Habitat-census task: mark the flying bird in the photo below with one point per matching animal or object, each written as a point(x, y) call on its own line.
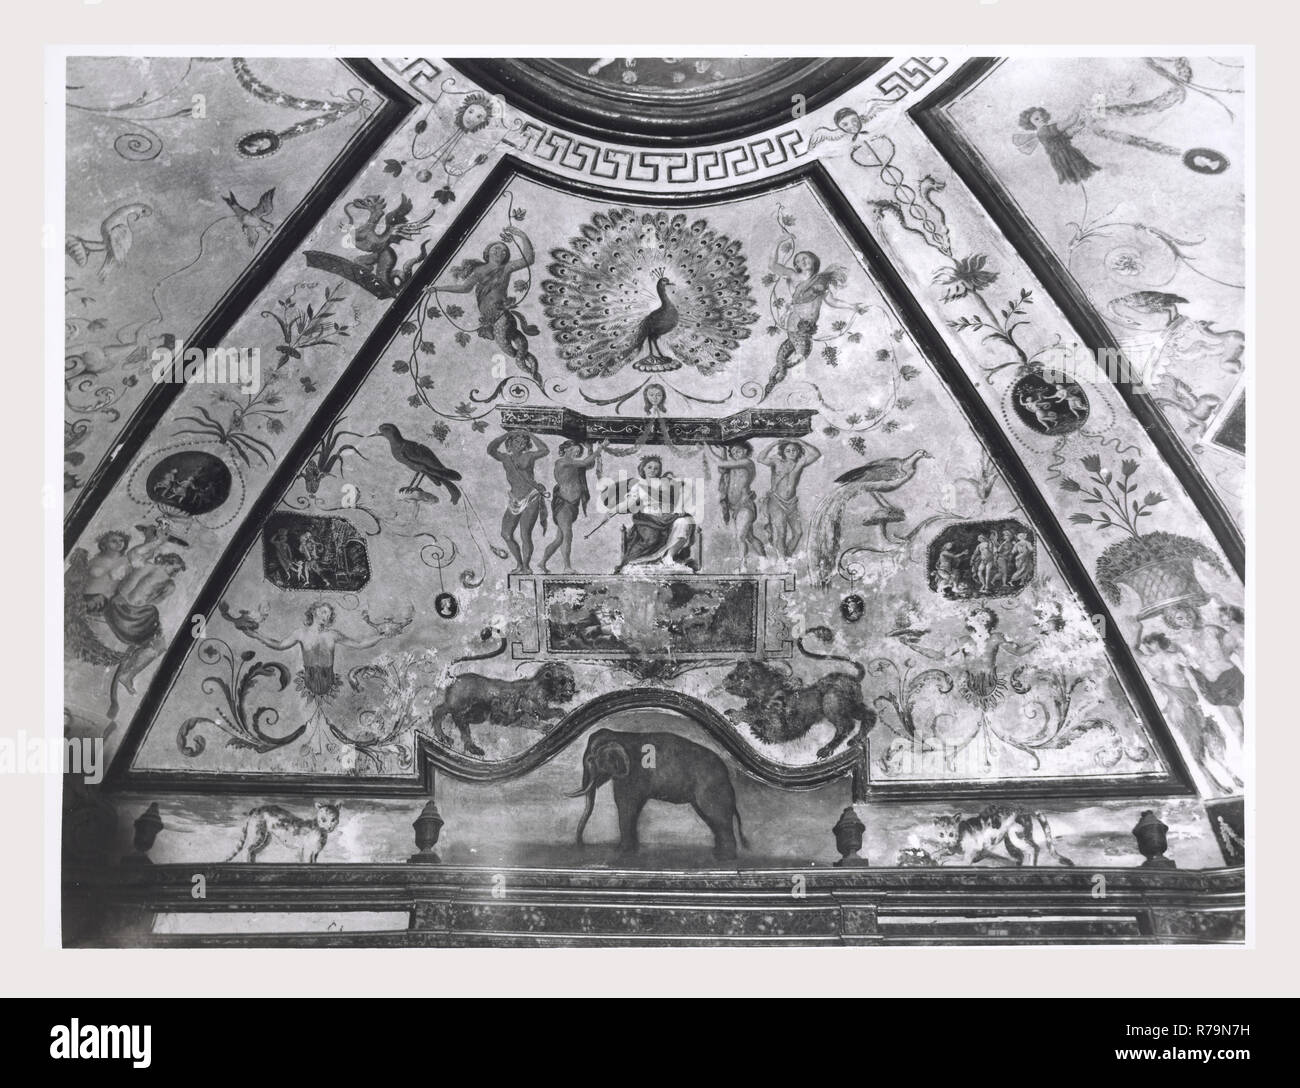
point(114, 239)
point(256, 219)
point(419, 459)
point(648, 282)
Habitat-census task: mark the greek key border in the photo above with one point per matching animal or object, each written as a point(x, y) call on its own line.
point(608, 163)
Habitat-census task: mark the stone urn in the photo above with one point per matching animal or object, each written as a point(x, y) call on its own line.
point(147, 826)
point(1152, 841)
point(428, 826)
point(848, 831)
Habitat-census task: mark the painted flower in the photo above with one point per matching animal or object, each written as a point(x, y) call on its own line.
point(964, 277)
point(1125, 262)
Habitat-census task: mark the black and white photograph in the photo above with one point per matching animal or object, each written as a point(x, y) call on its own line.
point(515, 500)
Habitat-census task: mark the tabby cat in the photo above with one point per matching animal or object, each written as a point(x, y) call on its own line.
point(996, 825)
point(267, 822)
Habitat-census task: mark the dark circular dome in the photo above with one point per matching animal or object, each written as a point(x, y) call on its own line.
point(668, 100)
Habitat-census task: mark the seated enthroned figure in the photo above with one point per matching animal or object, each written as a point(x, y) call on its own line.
point(663, 533)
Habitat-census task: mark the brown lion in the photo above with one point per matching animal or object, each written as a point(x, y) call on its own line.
point(779, 709)
point(527, 703)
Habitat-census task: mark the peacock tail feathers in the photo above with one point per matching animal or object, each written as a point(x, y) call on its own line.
point(602, 288)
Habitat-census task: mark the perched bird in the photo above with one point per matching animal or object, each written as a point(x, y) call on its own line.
point(607, 298)
point(658, 322)
point(886, 474)
point(419, 459)
point(253, 220)
point(826, 553)
point(114, 239)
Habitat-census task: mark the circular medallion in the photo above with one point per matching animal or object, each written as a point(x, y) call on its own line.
point(257, 145)
point(190, 482)
point(1051, 408)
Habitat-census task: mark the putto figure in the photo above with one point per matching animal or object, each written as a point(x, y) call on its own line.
point(981, 683)
point(736, 497)
point(570, 498)
point(499, 316)
point(519, 451)
point(811, 287)
point(317, 640)
point(111, 603)
point(787, 460)
point(1072, 166)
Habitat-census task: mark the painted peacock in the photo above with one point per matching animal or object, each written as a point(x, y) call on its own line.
point(648, 289)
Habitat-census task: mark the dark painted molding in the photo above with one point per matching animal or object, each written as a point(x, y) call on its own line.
point(577, 722)
point(966, 162)
point(927, 337)
point(453, 905)
point(247, 287)
point(630, 116)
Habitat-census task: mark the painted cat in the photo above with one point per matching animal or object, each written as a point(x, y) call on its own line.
point(976, 837)
point(267, 822)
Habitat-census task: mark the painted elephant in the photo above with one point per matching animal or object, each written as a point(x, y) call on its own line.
point(659, 767)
